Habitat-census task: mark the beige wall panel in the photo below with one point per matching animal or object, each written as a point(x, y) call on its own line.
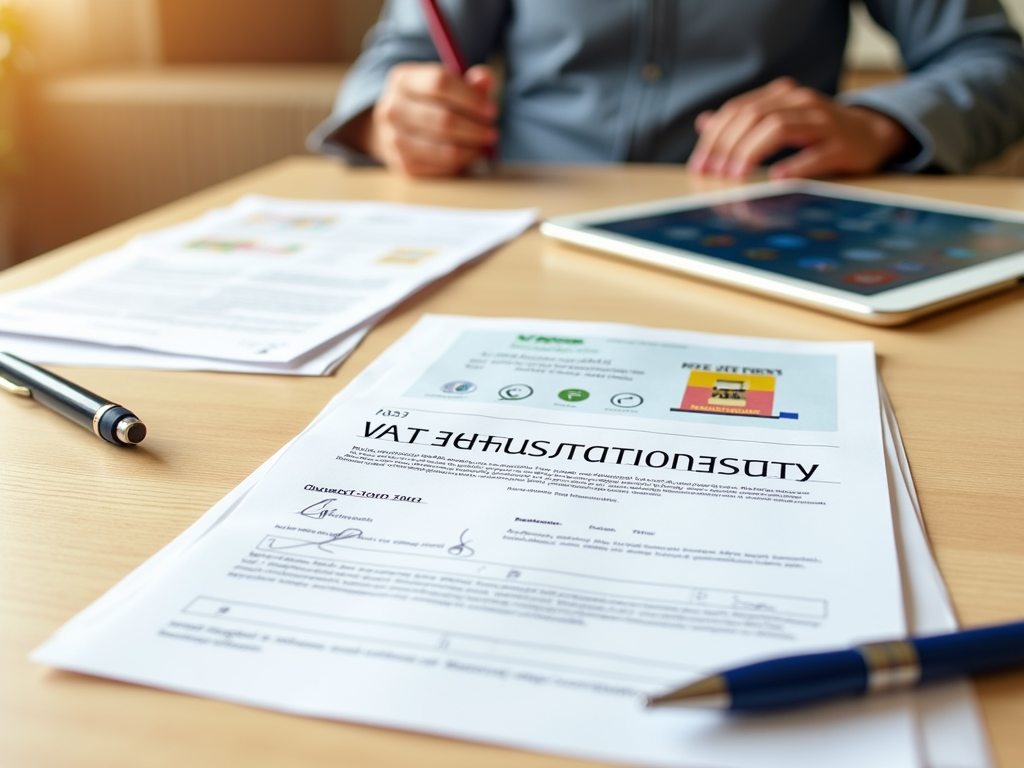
point(107, 147)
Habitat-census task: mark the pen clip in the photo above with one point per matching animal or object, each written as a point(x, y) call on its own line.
point(14, 389)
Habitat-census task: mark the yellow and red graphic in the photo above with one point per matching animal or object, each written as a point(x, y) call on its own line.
point(407, 257)
point(729, 393)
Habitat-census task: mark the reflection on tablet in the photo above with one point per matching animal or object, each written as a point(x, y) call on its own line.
point(857, 246)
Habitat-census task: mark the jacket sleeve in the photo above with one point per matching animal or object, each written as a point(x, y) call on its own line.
point(963, 96)
point(400, 35)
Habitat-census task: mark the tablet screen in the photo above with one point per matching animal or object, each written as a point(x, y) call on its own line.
point(853, 245)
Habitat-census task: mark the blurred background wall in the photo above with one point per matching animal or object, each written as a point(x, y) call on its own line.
point(135, 103)
point(131, 104)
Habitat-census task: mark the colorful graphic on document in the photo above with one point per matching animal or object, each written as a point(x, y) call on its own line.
point(229, 245)
point(284, 221)
point(407, 257)
point(638, 377)
point(731, 394)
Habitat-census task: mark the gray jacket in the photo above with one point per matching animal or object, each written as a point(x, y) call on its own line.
point(623, 80)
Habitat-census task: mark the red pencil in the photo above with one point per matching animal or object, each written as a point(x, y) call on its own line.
point(443, 39)
point(448, 50)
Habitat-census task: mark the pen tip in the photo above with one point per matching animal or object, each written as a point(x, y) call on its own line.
point(709, 693)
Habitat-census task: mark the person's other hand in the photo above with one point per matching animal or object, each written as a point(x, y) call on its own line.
point(832, 138)
point(428, 121)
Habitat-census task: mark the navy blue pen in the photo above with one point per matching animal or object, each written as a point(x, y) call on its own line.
point(865, 669)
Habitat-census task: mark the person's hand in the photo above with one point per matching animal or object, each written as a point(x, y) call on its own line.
point(831, 138)
point(428, 121)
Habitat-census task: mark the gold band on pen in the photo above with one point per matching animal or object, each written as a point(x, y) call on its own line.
point(891, 665)
point(99, 415)
point(15, 389)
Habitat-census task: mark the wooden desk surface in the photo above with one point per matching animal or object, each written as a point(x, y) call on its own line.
point(76, 515)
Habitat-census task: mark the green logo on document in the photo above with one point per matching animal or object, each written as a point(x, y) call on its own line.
point(573, 395)
point(548, 339)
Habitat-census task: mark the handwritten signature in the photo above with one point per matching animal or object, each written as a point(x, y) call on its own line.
point(462, 549)
point(319, 510)
point(746, 605)
point(348, 533)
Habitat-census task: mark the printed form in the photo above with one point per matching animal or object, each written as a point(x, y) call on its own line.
point(265, 281)
point(512, 531)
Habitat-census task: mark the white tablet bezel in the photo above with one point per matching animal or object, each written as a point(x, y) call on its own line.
point(889, 307)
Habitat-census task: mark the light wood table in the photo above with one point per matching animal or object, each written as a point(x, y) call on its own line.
point(76, 514)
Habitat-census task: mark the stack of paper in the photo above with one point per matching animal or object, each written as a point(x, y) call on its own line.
point(511, 531)
point(266, 285)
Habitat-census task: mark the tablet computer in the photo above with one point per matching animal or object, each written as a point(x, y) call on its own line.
point(876, 257)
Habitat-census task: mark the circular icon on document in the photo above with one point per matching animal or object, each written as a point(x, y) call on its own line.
point(627, 400)
point(573, 395)
point(515, 392)
point(458, 387)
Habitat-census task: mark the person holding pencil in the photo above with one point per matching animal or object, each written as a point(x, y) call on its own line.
point(724, 86)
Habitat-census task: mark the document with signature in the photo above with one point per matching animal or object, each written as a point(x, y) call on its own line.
point(511, 531)
point(263, 282)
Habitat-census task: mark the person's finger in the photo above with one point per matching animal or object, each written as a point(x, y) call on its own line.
point(823, 159)
point(791, 106)
point(777, 87)
point(432, 82)
point(482, 78)
point(721, 129)
point(701, 121)
point(722, 142)
point(436, 122)
point(797, 127)
point(420, 157)
point(415, 155)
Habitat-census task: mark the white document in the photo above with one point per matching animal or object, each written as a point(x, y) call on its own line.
point(266, 280)
point(46, 351)
point(952, 734)
point(389, 567)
